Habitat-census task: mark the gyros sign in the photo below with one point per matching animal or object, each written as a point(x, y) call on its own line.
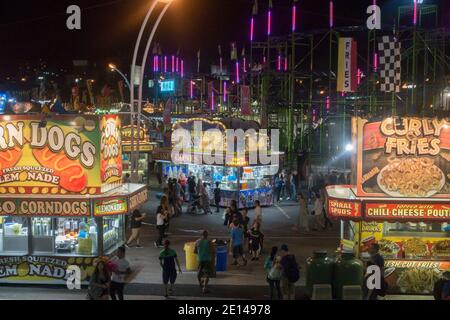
point(44, 208)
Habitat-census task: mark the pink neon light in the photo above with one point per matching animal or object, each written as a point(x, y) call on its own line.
point(245, 64)
point(285, 64)
point(212, 100)
point(279, 63)
point(192, 89)
point(331, 14)
point(415, 12)
point(225, 92)
point(173, 64)
point(342, 93)
point(157, 63)
point(375, 61)
point(264, 59)
point(165, 63)
point(269, 22)
point(294, 18)
point(328, 104)
point(154, 65)
point(182, 68)
point(358, 77)
point(252, 28)
point(237, 72)
point(178, 64)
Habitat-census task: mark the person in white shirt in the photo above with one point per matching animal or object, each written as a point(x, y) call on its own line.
point(118, 279)
point(162, 215)
point(258, 213)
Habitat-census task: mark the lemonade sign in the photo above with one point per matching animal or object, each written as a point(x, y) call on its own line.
point(59, 155)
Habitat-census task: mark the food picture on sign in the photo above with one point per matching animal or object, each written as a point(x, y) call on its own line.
point(57, 156)
point(404, 157)
point(111, 150)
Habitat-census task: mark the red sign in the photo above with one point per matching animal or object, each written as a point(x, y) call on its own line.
point(246, 108)
point(407, 211)
point(343, 209)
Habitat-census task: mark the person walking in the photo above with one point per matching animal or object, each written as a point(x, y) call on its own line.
point(230, 212)
point(257, 218)
point(278, 186)
point(327, 221)
point(191, 186)
point(291, 273)
point(99, 283)
point(274, 272)
point(136, 224)
point(318, 208)
point(121, 268)
point(292, 186)
point(204, 249)
point(162, 213)
point(167, 259)
point(375, 259)
point(303, 217)
point(237, 243)
point(255, 242)
point(217, 196)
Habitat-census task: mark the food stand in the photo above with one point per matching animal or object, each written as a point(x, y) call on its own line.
point(239, 180)
point(62, 201)
point(401, 199)
point(145, 148)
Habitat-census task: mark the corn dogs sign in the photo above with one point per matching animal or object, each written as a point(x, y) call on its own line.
point(59, 155)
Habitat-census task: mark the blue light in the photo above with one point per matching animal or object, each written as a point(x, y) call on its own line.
point(167, 86)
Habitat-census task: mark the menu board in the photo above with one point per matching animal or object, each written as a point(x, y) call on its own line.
point(406, 211)
point(403, 157)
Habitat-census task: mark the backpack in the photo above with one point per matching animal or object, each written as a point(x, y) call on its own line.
point(292, 270)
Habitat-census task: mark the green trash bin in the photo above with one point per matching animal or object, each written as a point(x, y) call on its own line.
point(319, 270)
point(348, 271)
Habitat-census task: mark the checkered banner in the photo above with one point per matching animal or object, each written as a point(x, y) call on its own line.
point(390, 64)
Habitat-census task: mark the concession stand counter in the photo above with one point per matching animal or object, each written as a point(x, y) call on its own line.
point(62, 201)
point(239, 179)
point(401, 200)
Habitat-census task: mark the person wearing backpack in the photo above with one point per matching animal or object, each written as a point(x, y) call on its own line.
point(274, 272)
point(290, 274)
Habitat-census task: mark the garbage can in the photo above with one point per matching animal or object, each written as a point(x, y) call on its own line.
point(191, 257)
point(221, 260)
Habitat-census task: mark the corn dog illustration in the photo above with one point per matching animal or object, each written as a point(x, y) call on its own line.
point(72, 175)
point(9, 158)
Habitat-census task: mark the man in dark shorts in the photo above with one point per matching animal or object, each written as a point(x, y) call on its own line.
point(237, 242)
point(205, 251)
point(167, 259)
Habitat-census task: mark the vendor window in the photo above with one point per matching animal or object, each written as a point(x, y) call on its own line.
point(75, 236)
point(112, 232)
point(14, 235)
point(43, 234)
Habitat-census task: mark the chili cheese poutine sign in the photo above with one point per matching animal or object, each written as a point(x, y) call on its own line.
point(403, 157)
point(59, 155)
point(406, 211)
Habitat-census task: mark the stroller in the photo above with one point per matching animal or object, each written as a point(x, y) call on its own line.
point(194, 207)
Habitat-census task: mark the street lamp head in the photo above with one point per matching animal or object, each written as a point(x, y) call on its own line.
point(112, 66)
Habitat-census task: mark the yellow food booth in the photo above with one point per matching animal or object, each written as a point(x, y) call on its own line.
point(401, 199)
point(62, 201)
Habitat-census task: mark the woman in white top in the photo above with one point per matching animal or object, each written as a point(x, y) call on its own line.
point(303, 222)
point(258, 213)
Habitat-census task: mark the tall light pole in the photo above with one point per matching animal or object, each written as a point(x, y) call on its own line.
point(113, 68)
point(135, 153)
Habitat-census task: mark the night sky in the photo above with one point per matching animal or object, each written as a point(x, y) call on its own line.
point(32, 29)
